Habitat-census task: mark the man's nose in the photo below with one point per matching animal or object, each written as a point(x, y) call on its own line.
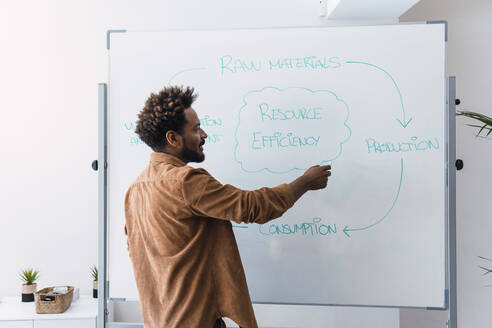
point(204, 135)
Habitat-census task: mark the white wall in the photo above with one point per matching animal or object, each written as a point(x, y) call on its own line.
point(469, 53)
point(52, 55)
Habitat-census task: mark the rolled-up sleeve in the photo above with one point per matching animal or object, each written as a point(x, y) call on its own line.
point(209, 198)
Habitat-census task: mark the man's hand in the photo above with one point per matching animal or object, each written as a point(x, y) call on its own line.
point(315, 178)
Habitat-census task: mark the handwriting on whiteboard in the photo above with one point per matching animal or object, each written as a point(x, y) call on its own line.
point(233, 65)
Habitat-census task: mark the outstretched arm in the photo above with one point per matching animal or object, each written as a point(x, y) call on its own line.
point(207, 197)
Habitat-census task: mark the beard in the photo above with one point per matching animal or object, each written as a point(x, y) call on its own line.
point(190, 155)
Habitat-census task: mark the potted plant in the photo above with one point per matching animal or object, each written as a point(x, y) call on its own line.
point(29, 276)
point(485, 129)
point(94, 274)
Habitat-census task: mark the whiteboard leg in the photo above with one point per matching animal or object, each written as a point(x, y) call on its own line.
point(452, 279)
point(102, 205)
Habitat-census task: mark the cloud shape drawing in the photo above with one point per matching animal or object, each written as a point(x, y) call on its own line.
point(280, 130)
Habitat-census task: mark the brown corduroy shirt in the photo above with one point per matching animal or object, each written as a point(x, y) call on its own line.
point(180, 240)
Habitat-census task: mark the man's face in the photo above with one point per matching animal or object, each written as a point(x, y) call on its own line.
point(193, 138)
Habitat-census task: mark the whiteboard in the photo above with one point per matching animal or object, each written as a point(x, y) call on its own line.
point(368, 100)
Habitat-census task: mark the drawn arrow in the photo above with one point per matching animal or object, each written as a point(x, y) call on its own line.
point(346, 230)
point(184, 71)
point(404, 122)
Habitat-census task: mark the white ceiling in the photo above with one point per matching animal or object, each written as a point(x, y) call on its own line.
point(368, 9)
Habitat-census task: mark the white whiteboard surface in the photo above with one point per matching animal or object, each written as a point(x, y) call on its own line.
point(369, 100)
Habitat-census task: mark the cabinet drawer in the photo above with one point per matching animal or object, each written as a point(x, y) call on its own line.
point(72, 323)
point(16, 324)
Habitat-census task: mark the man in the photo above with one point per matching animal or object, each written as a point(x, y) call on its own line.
point(180, 239)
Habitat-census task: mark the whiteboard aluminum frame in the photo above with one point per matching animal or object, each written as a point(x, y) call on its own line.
point(450, 293)
point(451, 266)
point(103, 292)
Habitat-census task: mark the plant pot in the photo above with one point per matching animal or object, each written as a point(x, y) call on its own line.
point(28, 292)
point(94, 289)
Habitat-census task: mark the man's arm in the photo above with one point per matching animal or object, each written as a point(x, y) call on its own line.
point(207, 197)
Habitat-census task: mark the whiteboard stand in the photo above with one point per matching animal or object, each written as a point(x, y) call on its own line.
point(451, 227)
point(103, 283)
point(102, 206)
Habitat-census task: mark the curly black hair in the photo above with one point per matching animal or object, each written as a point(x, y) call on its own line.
point(162, 112)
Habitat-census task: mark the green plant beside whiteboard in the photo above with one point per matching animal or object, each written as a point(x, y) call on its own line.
point(487, 270)
point(485, 129)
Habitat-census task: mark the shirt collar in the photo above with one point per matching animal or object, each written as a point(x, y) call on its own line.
point(157, 157)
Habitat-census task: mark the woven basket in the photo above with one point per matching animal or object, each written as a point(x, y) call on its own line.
point(59, 305)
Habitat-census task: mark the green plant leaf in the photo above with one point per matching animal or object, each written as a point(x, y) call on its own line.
point(481, 129)
point(94, 272)
point(29, 276)
point(487, 271)
point(487, 121)
point(484, 258)
point(477, 116)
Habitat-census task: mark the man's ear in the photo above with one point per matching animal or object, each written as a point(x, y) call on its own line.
point(173, 138)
